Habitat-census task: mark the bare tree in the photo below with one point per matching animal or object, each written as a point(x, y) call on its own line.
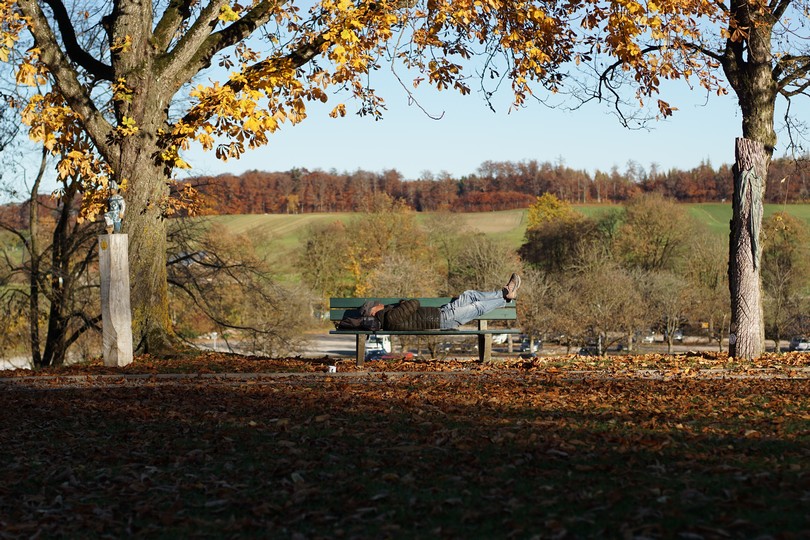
point(610, 303)
point(785, 272)
point(482, 264)
point(706, 270)
point(669, 299)
point(218, 282)
point(654, 234)
point(534, 307)
point(58, 253)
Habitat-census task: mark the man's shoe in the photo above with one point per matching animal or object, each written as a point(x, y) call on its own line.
point(510, 291)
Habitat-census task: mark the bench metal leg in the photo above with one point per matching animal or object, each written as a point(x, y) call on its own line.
point(484, 344)
point(360, 349)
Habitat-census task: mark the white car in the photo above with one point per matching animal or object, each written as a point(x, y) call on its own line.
point(378, 343)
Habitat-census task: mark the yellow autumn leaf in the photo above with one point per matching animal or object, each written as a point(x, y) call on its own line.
point(251, 124)
point(227, 14)
point(339, 54)
point(128, 126)
point(26, 75)
point(349, 35)
point(206, 141)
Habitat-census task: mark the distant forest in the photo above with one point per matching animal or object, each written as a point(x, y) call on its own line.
point(494, 186)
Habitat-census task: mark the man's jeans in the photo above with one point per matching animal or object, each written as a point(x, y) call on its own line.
point(468, 306)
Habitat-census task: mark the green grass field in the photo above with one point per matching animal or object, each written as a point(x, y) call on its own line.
point(717, 215)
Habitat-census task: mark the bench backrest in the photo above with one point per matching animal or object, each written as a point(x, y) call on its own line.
point(339, 306)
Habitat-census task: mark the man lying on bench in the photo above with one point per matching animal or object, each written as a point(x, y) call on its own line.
point(410, 315)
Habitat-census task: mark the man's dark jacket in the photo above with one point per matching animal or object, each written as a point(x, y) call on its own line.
point(409, 315)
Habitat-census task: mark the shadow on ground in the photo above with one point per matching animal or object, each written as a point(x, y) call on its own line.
point(492, 454)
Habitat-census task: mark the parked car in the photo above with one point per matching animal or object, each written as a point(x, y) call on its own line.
point(378, 343)
point(377, 347)
point(525, 346)
point(799, 343)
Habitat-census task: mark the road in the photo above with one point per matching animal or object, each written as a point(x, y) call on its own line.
point(325, 344)
point(322, 345)
point(343, 346)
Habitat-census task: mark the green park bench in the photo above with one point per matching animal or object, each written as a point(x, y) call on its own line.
point(339, 306)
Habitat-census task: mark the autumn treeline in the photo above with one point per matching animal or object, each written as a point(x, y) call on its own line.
point(502, 185)
point(494, 186)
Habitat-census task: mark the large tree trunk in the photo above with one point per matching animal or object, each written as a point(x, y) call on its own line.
point(748, 65)
point(747, 336)
point(148, 191)
point(138, 163)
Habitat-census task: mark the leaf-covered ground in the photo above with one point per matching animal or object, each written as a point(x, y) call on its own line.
point(686, 446)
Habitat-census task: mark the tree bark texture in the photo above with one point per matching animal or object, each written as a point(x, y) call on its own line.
point(116, 315)
point(747, 332)
point(148, 191)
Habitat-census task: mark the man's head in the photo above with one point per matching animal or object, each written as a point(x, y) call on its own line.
point(370, 308)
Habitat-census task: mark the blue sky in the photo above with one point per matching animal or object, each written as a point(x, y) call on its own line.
point(469, 133)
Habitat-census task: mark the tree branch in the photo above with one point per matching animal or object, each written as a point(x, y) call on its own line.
point(13, 230)
point(604, 83)
point(200, 301)
point(298, 57)
point(714, 55)
point(195, 50)
point(95, 67)
point(87, 324)
point(778, 8)
point(796, 67)
point(64, 76)
point(181, 62)
point(176, 12)
point(799, 91)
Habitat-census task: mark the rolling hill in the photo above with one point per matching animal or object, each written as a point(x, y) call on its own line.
point(280, 234)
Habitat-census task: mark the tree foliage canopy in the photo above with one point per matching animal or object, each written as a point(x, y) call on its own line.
point(281, 55)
